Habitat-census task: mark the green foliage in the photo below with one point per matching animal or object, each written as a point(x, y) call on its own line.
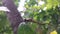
point(25, 29)
point(49, 17)
point(31, 2)
point(4, 25)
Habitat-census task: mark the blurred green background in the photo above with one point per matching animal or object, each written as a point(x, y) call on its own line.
point(43, 11)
